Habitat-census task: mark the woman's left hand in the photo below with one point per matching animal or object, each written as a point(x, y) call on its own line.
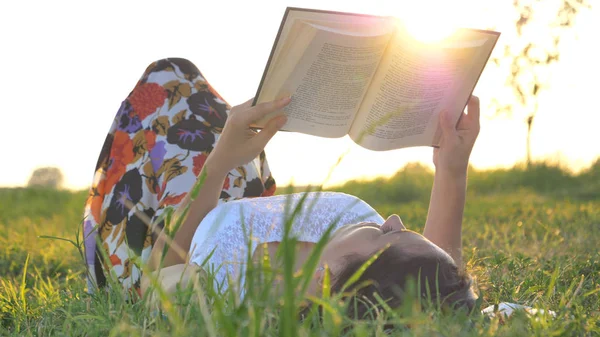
point(238, 143)
point(457, 140)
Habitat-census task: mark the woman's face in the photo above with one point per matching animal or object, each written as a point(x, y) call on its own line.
point(367, 238)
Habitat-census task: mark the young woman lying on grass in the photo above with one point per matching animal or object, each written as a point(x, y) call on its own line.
point(174, 126)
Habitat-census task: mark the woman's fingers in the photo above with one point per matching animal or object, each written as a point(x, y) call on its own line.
point(470, 120)
point(447, 123)
point(247, 104)
point(261, 110)
point(241, 107)
point(270, 129)
point(473, 110)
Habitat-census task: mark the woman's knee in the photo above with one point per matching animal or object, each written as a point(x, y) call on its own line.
point(182, 66)
point(175, 85)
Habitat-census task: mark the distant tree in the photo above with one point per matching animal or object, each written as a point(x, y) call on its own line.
point(533, 51)
point(50, 177)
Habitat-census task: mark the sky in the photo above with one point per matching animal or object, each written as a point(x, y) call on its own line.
point(67, 65)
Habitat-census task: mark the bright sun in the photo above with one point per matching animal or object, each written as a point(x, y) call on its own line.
point(429, 20)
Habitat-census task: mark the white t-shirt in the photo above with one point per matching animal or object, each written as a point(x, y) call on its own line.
point(223, 237)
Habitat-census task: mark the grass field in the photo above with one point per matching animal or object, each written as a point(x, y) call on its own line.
point(531, 236)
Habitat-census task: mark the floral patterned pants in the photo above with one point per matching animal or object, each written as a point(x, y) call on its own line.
point(155, 149)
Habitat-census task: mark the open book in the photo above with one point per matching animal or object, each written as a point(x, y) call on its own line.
point(367, 77)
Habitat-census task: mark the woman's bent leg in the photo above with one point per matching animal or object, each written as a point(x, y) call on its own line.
point(155, 149)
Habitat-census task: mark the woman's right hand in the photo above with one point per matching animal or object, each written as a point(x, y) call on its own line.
point(238, 143)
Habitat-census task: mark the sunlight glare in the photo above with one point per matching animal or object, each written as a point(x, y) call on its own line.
point(429, 21)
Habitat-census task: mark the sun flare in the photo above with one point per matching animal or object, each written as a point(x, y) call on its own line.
point(428, 20)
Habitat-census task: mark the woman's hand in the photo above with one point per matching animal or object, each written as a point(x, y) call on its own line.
point(457, 140)
point(237, 146)
point(238, 143)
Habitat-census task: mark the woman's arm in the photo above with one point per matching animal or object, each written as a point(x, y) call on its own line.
point(237, 145)
point(207, 199)
point(170, 277)
point(444, 218)
point(451, 159)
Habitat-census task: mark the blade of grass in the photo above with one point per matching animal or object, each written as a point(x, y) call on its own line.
point(23, 287)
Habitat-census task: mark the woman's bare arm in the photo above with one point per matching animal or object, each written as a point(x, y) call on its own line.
point(237, 145)
point(451, 159)
point(445, 215)
point(207, 199)
point(170, 277)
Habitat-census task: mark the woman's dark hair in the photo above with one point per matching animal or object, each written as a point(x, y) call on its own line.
point(436, 277)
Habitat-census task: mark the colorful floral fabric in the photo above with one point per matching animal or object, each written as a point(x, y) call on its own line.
point(152, 155)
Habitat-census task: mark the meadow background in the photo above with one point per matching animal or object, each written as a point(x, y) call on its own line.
point(531, 236)
point(531, 230)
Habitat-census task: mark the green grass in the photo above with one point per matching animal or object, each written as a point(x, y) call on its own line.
point(531, 236)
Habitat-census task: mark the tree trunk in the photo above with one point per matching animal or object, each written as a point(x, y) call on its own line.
point(529, 123)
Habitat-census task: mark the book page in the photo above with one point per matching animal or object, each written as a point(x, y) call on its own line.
point(350, 22)
point(414, 82)
point(329, 80)
point(298, 39)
